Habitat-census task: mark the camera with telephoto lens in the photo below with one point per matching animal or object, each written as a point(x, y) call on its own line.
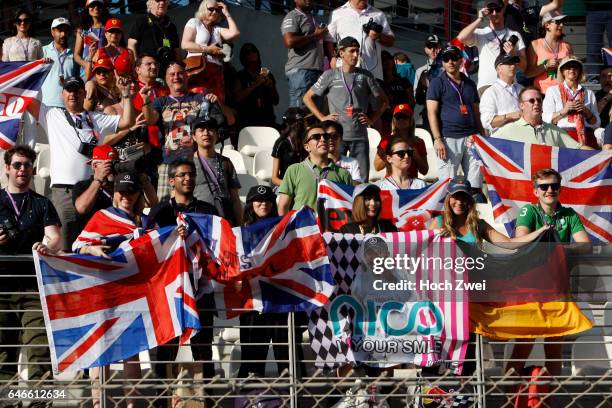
point(130, 159)
point(86, 148)
point(372, 25)
point(9, 226)
point(513, 39)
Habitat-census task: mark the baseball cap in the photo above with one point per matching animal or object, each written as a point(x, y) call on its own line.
point(507, 59)
point(89, 2)
point(60, 21)
point(127, 182)
point(452, 50)
point(104, 152)
point(403, 108)
point(103, 63)
point(347, 42)
point(74, 83)
point(495, 3)
point(433, 39)
point(459, 184)
point(364, 188)
point(260, 192)
point(552, 15)
point(569, 59)
point(205, 123)
point(113, 24)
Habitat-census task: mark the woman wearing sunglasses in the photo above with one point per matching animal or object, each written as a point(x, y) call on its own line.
point(402, 125)
point(115, 50)
point(90, 35)
point(203, 36)
point(21, 47)
point(399, 155)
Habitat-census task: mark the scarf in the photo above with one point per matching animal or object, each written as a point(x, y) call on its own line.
point(576, 117)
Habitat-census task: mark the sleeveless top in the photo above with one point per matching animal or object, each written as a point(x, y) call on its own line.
point(468, 238)
point(121, 62)
point(545, 79)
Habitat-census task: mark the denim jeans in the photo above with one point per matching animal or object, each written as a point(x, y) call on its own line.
point(596, 23)
point(300, 81)
point(360, 150)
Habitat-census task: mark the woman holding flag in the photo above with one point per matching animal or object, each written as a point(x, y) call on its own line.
point(366, 212)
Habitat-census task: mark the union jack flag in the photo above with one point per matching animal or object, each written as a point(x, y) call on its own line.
point(275, 265)
point(99, 311)
point(586, 178)
point(19, 86)
point(410, 210)
point(110, 226)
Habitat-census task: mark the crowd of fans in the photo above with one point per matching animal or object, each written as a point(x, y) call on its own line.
point(131, 124)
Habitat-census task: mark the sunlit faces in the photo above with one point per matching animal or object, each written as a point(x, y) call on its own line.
point(571, 71)
point(126, 200)
point(460, 203)
point(60, 34)
point(183, 180)
point(372, 205)
point(335, 140)
point(350, 55)
point(158, 7)
point(205, 137)
point(175, 77)
point(401, 156)
point(73, 98)
point(531, 102)
point(547, 190)
point(148, 68)
point(262, 209)
point(20, 170)
point(317, 142)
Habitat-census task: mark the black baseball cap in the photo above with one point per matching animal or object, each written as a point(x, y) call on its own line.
point(263, 193)
point(73, 83)
point(494, 3)
point(433, 40)
point(128, 182)
point(452, 50)
point(459, 184)
point(506, 59)
point(205, 123)
point(347, 42)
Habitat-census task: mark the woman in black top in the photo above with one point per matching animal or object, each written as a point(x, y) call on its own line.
point(366, 212)
point(288, 148)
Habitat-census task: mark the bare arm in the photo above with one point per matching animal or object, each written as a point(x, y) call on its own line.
point(275, 172)
point(522, 65)
point(53, 238)
point(78, 49)
point(466, 35)
point(232, 31)
point(501, 120)
point(432, 114)
point(552, 6)
point(236, 205)
point(128, 116)
point(294, 40)
point(188, 41)
point(476, 108)
point(149, 191)
point(85, 202)
point(133, 45)
point(379, 162)
point(420, 161)
point(386, 40)
point(383, 104)
point(312, 107)
point(150, 115)
point(284, 204)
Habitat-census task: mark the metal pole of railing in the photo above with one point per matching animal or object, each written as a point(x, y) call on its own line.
point(482, 401)
point(292, 364)
point(102, 387)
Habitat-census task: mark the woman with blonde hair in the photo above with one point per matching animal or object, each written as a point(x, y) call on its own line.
point(203, 39)
point(571, 106)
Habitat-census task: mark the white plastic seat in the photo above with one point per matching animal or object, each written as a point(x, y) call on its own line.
point(237, 160)
point(607, 319)
point(246, 182)
point(425, 135)
point(262, 166)
point(537, 357)
point(432, 161)
point(374, 175)
point(591, 355)
point(373, 138)
point(599, 134)
point(255, 138)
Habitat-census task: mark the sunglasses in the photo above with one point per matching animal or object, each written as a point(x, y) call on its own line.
point(545, 186)
point(102, 71)
point(401, 116)
point(19, 165)
point(26, 20)
point(96, 5)
point(334, 136)
point(431, 45)
point(184, 174)
point(318, 136)
point(213, 9)
point(453, 58)
point(495, 9)
point(533, 100)
point(402, 153)
point(557, 22)
point(572, 66)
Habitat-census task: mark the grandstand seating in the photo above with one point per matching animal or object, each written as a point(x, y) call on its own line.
point(425, 135)
point(432, 161)
point(373, 138)
point(262, 166)
point(237, 160)
point(592, 355)
point(255, 138)
point(246, 182)
point(375, 175)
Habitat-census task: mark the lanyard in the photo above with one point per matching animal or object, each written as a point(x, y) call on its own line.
point(310, 19)
point(209, 171)
point(12, 200)
point(500, 40)
point(25, 49)
point(318, 177)
point(61, 58)
point(573, 94)
point(458, 90)
point(79, 124)
point(349, 90)
point(554, 53)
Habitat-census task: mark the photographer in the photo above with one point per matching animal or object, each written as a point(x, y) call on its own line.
point(96, 192)
point(155, 34)
point(369, 26)
point(26, 220)
point(73, 133)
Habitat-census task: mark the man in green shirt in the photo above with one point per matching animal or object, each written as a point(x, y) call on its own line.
point(548, 210)
point(301, 180)
point(530, 128)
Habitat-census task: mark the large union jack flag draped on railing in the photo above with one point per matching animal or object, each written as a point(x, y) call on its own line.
point(410, 210)
point(587, 181)
point(275, 265)
point(19, 85)
point(100, 311)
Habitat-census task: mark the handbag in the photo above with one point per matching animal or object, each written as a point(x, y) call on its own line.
point(195, 65)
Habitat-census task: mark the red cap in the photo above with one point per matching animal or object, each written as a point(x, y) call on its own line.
point(102, 63)
point(403, 108)
point(104, 152)
point(113, 24)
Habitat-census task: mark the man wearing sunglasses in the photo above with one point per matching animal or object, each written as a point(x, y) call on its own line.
point(453, 111)
point(301, 181)
point(426, 73)
point(530, 128)
point(26, 220)
point(334, 130)
point(492, 41)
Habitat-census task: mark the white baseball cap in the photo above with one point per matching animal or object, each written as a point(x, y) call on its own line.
point(59, 22)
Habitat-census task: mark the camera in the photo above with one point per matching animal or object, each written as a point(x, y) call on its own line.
point(165, 55)
point(372, 25)
point(9, 226)
point(86, 148)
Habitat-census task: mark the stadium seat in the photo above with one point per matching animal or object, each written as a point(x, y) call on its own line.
point(246, 182)
point(432, 161)
point(536, 357)
point(374, 175)
point(227, 145)
point(425, 135)
point(255, 138)
point(373, 138)
point(592, 355)
point(599, 134)
point(42, 178)
point(237, 160)
point(607, 319)
point(262, 166)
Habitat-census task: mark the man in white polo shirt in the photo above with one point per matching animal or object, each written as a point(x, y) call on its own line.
point(368, 25)
point(73, 133)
